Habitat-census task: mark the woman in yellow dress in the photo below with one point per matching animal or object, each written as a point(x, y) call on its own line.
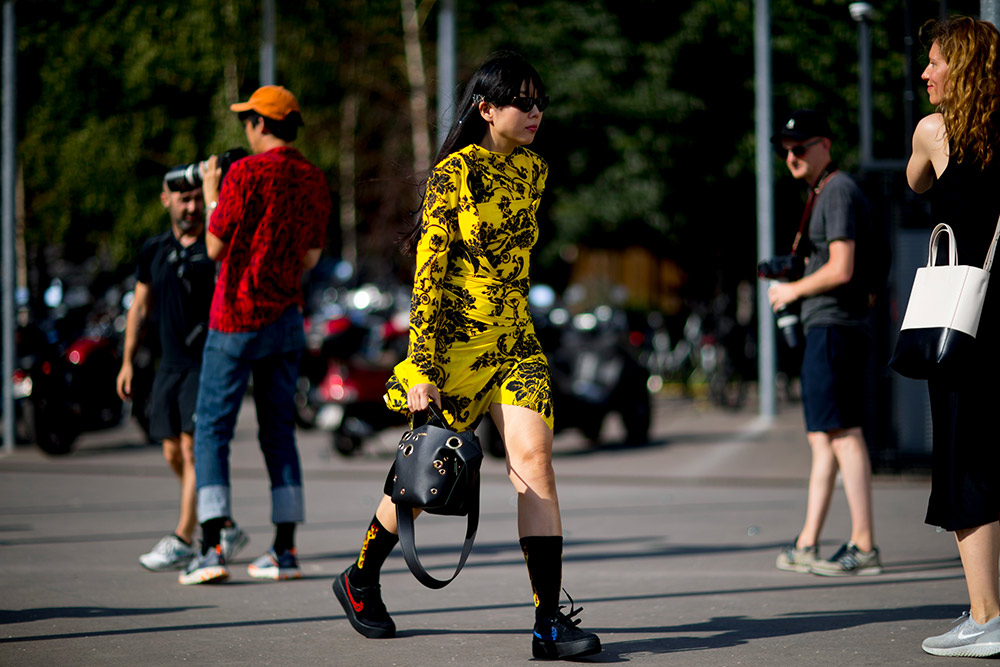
point(472, 343)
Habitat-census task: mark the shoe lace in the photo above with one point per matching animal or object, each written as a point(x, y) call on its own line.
point(163, 547)
point(961, 619)
point(847, 555)
point(372, 598)
point(573, 611)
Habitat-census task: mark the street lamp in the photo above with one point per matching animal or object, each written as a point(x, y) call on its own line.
point(862, 13)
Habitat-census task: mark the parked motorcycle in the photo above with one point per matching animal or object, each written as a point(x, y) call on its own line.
point(65, 383)
point(353, 340)
point(594, 368)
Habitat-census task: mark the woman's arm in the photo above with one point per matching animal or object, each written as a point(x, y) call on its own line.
point(439, 224)
point(930, 153)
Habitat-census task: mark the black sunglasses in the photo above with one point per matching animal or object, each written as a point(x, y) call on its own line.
point(525, 103)
point(797, 151)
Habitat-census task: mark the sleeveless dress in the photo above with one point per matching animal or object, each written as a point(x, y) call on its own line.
point(965, 484)
point(471, 334)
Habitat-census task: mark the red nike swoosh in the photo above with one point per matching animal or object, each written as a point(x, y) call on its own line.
point(358, 606)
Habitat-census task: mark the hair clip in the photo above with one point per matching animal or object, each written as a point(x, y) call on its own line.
point(477, 99)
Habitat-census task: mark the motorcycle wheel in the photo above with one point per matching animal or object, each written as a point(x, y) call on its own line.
point(346, 445)
point(54, 433)
point(305, 413)
point(489, 438)
point(637, 416)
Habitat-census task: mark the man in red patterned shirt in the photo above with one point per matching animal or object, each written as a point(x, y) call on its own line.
point(265, 227)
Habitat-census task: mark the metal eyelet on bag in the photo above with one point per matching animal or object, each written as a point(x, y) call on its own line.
point(407, 450)
point(453, 443)
point(438, 463)
point(434, 492)
point(441, 471)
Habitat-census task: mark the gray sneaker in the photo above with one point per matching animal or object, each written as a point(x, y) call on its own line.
point(849, 561)
point(967, 639)
point(168, 554)
point(793, 559)
point(233, 540)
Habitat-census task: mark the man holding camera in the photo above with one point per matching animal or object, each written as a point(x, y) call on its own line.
point(266, 226)
point(835, 296)
point(173, 289)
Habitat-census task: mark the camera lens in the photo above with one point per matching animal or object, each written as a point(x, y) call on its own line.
point(183, 178)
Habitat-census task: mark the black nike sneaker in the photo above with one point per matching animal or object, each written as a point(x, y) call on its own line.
point(364, 608)
point(559, 637)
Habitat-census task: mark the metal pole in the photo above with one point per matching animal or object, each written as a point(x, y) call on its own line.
point(446, 69)
point(862, 13)
point(8, 175)
point(767, 350)
point(267, 77)
point(865, 82)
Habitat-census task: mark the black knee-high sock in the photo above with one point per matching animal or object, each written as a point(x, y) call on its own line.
point(211, 533)
point(543, 555)
point(284, 537)
point(378, 543)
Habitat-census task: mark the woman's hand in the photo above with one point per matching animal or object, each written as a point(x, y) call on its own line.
point(419, 395)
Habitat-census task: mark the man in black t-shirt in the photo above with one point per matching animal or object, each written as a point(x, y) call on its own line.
point(175, 279)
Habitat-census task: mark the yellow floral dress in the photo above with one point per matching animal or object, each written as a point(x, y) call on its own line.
point(471, 334)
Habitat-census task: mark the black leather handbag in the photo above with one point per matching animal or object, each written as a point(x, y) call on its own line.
point(436, 470)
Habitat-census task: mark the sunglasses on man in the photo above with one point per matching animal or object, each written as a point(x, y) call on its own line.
point(525, 103)
point(798, 150)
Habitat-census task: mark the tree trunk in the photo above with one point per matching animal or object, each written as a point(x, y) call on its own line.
point(418, 89)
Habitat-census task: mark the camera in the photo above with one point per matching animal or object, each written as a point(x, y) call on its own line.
point(786, 268)
point(789, 325)
point(782, 267)
point(186, 177)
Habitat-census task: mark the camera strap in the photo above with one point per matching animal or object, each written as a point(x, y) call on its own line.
point(814, 193)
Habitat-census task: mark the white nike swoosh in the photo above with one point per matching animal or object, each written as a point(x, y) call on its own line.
point(962, 635)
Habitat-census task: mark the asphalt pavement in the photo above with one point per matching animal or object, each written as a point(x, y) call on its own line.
point(669, 548)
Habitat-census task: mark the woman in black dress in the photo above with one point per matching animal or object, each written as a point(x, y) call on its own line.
point(955, 160)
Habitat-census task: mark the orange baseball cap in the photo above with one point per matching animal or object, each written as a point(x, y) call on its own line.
point(274, 102)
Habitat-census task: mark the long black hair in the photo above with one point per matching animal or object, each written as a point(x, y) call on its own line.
point(497, 81)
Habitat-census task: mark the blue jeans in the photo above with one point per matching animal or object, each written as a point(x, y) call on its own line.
point(272, 356)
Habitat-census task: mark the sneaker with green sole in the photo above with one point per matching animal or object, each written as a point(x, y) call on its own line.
point(794, 559)
point(849, 561)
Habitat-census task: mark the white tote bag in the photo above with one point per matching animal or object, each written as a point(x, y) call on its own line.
point(938, 334)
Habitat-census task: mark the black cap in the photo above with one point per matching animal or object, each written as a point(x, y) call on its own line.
point(802, 125)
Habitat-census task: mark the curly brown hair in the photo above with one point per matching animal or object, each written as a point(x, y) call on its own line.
point(972, 97)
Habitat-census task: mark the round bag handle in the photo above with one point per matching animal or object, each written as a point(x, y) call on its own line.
point(932, 251)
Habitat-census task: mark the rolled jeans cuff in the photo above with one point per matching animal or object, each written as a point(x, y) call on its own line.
point(213, 503)
point(287, 505)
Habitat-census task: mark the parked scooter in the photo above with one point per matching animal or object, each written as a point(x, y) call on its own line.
point(66, 380)
point(594, 369)
point(352, 345)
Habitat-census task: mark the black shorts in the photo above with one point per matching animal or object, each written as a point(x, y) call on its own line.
point(834, 367)
point(172, 403)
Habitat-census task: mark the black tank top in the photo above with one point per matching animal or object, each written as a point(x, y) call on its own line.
point(968, 199)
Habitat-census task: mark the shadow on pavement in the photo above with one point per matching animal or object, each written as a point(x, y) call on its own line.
point(8, 616)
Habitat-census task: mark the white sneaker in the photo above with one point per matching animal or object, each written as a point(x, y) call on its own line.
point(967, 639)
point(168, 554)
point(233, 540)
